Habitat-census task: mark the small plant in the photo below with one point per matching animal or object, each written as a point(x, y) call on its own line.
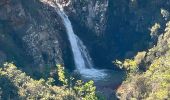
point(50, 81)
point(61, 75)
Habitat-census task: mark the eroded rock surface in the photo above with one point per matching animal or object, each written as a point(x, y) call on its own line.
point(30, 29)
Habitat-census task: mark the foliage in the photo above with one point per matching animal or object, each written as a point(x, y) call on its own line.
point(131, 65)
point(154, 83)
point(159, 78)
point(29, 88)
point(50, 81)
point(61, 75)
point(21, 86)
point(85, 91)
point(128, 64)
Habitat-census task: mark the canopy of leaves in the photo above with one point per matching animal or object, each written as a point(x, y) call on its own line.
point(30, 89)
point(16, 85)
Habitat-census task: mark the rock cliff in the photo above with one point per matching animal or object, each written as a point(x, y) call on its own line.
point(30, 34)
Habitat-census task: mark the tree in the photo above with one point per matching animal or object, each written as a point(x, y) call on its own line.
point(85, 91)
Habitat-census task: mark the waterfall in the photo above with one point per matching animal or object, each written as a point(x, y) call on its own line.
point(81, 56)
point(82, 59)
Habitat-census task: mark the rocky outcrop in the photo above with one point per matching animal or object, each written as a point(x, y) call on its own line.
point(30, 30)
point(37, 33)
point(89, 13)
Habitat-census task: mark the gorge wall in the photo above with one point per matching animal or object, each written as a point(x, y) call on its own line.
point(32, 34)
point(118, 29)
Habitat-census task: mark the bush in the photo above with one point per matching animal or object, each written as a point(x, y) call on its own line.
point(129, 65)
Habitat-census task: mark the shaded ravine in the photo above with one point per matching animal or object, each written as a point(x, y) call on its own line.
point(105, 80)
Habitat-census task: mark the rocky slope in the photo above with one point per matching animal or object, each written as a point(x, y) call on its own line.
point(30, 34)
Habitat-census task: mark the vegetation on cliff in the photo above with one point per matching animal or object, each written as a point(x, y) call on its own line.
point(149, 79)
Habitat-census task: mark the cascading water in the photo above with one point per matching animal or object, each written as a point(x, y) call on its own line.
point(82, 58)
point(80, 53)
